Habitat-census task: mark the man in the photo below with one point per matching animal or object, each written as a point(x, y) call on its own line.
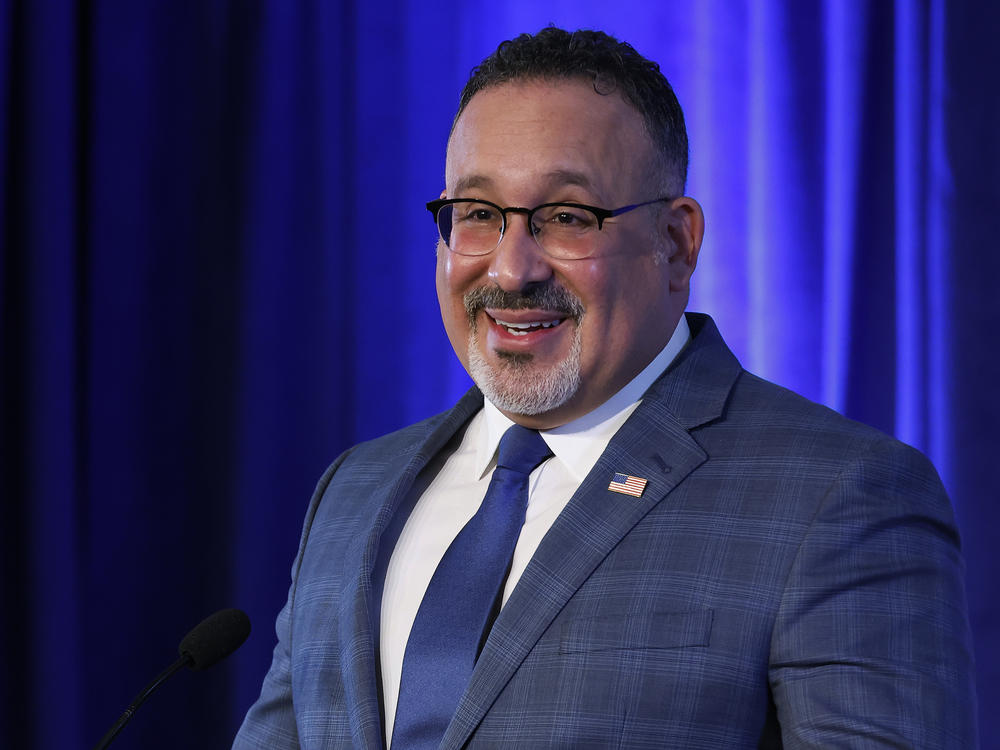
point(705, 559)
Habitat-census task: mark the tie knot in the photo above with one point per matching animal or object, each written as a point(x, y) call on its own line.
point(522, 449)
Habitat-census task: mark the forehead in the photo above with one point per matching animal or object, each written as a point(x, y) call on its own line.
point(539, 135)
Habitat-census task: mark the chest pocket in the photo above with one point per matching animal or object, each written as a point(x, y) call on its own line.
point(652, 630)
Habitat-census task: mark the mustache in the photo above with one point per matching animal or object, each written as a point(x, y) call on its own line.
point(551, 297)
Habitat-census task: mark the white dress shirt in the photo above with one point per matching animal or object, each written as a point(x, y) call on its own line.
point(454, 495)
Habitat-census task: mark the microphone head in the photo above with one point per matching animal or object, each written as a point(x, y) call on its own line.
point(215, 638)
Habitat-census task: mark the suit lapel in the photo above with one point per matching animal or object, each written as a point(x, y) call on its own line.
point(655, 444)
point(357, 639)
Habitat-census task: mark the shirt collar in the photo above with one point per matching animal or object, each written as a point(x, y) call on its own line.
point(578, 444)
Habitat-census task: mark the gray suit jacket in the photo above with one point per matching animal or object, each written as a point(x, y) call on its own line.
point(787, 578)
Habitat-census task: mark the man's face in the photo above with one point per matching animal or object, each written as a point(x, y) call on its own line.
point(603, 317)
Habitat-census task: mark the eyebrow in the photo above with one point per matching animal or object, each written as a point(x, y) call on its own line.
point(471, 182)
point(555, 179)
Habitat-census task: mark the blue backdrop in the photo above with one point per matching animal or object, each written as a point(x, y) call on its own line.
point(217, 273)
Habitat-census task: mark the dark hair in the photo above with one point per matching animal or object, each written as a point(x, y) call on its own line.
point(612, 66)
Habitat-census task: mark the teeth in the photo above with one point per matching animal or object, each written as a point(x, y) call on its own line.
point(522, 329)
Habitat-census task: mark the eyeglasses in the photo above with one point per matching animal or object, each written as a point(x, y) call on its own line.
point(566, 231)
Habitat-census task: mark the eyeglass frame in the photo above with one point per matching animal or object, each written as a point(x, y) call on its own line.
point(602, 214)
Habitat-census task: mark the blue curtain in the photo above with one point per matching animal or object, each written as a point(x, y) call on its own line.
point(217, 273)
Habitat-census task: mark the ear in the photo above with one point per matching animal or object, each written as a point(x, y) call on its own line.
point(684, 223)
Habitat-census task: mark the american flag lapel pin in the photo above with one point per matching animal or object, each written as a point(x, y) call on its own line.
point(627, 484)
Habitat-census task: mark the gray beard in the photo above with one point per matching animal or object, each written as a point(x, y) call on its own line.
point(518, 386)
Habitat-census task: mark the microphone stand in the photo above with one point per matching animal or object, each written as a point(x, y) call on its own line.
point(124, 719)
point(214, 638)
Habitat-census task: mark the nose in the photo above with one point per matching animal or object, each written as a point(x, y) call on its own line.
point(518, 261)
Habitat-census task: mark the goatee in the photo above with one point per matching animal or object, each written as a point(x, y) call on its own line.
point(515, 383)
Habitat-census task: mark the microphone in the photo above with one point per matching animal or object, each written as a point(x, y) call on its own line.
point(214, 638)
point(210, 641)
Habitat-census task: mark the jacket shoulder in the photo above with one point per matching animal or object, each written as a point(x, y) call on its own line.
point(779, 414)
point(404, 443)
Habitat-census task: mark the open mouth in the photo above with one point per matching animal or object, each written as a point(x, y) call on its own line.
point(523, 329)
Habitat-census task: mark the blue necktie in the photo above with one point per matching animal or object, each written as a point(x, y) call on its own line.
point(453, 617)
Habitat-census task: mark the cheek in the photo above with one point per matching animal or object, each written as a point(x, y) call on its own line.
point(455, 276)
point(448, 294)
point(622, 301)
point(597, 283)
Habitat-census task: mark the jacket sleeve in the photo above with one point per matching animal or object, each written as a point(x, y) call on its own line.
point(270, 724)
point(871, 646)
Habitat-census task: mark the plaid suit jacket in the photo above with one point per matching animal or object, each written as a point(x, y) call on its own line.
point(788, 578)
